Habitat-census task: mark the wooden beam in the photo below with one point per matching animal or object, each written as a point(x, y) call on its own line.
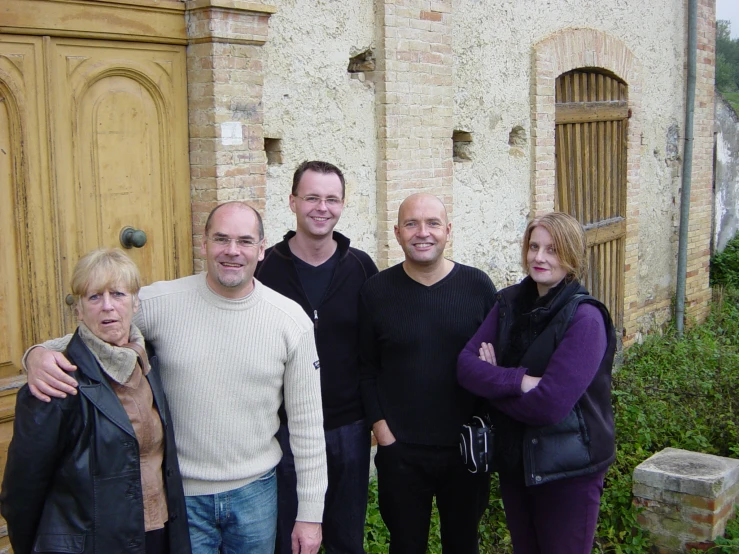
point(605, 231)
point(587, 112)
point(130, 20)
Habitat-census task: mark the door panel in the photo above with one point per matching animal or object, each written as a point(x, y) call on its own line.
point(11, 322)
point(591, 115)
point(27, 283)
point(121, 152)
point(25, 286)
point(118, 152)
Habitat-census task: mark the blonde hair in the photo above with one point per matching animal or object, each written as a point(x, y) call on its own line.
point(568, 239)
point(105, 268)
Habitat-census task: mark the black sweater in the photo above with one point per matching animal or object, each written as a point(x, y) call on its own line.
point(335, 322)
point(410, 337)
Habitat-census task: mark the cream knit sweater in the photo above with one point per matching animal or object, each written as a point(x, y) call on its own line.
point(223, 365)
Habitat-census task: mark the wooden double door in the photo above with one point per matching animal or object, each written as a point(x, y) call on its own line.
point(93, 140)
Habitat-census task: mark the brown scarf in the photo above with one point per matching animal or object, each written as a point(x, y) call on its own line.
point(118, 362)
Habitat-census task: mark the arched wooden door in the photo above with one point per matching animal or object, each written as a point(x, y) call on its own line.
point(121, 152)
point(93, 138)
point(590, 146)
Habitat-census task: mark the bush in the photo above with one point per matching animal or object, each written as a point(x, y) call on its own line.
point(669, 392)
point(725, 265)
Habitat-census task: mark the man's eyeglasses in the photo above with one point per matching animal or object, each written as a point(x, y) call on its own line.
point(225, 242)
point(330, 201)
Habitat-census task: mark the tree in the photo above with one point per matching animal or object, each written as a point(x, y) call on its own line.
point(727, 58)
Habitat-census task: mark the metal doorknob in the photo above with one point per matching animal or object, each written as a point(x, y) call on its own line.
point(132, 238)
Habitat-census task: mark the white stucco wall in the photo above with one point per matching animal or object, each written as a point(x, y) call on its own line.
point(494, 45)
point(726, 195)
point(318, 111)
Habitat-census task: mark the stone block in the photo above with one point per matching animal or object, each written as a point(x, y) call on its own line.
point(686, 497)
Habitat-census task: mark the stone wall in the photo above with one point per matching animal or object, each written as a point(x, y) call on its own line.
point(498, 51)
point(685, 498)
point(484, 70)
point(726, 185)
point(318, 110)
point(697, 291)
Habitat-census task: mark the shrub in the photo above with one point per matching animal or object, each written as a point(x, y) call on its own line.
point(671, 392)
point(725, 265)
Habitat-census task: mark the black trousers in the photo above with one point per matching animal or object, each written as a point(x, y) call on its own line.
point(408, 478)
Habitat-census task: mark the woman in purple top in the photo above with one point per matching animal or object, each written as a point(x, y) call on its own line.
point(543, 359)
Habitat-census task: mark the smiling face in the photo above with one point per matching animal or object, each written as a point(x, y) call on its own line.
point(423, 229)
point(319, 219)
point(231, 268)
point(543, 262)
point(108, 313)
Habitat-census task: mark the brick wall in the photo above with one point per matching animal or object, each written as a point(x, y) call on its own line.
point(414, 102)
point(224, 89)
point(697, 291)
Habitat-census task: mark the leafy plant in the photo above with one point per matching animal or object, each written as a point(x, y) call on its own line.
point(725, 265)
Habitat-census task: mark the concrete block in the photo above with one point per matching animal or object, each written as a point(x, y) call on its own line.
point(686, 497)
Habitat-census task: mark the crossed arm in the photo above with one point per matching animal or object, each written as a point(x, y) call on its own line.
point(532, 400)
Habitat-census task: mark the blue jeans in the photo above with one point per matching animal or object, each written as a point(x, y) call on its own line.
point(348, 457)
point(240, 521)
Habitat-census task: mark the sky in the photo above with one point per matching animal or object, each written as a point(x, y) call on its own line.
point(729, 9)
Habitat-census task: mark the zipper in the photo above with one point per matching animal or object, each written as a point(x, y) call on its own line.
point(315, 319)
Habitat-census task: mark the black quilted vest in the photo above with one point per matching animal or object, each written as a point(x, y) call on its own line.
point(529, 331)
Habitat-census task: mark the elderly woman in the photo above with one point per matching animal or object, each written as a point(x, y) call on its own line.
point(97, 472)
point(543, 359)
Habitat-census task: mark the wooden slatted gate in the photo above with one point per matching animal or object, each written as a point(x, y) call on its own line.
point(590, 147)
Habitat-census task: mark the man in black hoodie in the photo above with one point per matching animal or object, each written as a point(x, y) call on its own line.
point(316, 267)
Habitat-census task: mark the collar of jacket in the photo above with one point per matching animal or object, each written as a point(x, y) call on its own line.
point(284, 248)
point(523, 315)
point(94, 386)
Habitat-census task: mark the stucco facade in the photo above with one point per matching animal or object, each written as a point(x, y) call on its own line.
point(487, 70)
point(726, 200)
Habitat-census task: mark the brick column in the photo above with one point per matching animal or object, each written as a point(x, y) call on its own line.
point(224, 88)
point(414, 103)
point(697, 290)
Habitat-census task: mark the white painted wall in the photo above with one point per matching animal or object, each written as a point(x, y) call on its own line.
point(317, 109)
point(320, 112)
point(494, 44)
point(726, 195)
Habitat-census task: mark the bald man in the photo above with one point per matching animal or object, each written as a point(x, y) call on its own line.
point(415, 318)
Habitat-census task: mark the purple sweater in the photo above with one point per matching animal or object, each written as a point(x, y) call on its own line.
point(569, 373)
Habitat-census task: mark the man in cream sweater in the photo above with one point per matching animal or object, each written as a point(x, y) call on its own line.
point(227, 346)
